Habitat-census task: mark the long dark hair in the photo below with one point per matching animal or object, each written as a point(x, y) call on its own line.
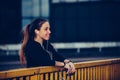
point(29, 34)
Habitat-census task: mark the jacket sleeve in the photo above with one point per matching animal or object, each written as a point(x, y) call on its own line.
point(56, 56)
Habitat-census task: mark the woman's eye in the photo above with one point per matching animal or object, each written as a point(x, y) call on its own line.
point(46, 28)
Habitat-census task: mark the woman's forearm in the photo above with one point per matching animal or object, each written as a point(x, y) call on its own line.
point(61, 64)
point(57, 63)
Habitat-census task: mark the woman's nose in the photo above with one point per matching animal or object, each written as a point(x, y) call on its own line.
point(49, 31)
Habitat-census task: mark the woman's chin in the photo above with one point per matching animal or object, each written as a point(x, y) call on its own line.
point(47, 38)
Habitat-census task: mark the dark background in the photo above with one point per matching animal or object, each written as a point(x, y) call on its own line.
point(70, 22)
point(10, 21)
point(86, 21)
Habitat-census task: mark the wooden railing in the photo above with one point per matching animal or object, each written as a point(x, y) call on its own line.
point(108, 69)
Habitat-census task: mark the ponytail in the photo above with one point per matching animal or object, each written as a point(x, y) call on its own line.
point(24, 42)
point(26, 36)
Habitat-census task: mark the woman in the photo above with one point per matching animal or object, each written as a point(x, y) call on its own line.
point(37, 51)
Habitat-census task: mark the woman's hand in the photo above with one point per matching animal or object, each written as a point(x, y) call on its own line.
point(71, 68)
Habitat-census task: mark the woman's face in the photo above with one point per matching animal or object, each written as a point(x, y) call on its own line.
point(44, 31)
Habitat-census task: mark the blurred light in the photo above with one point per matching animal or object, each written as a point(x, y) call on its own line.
point(25, 22)
point(72, 1)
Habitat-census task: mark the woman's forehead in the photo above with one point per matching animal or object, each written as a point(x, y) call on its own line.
point(45, 24)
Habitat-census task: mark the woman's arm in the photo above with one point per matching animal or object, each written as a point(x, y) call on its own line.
point(56, 56)
point(62, 61)
point(60, 64)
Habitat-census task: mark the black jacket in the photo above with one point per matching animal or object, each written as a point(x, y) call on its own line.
point(36, 55)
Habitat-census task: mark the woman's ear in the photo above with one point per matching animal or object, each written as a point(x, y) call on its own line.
point(36, 31)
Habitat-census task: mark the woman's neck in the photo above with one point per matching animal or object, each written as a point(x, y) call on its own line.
point(39, 40)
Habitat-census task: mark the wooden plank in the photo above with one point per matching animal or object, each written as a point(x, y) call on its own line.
point(18, 72)
point(64, 75)
point(56, 75)
point(79, 74)
point(35, 77)
point(88, 73)
point(46, 76)
point(51, 76)
point(98, 71)
point(28, 78)
point(41, 76)
point(82, 74)
point(21, 78)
